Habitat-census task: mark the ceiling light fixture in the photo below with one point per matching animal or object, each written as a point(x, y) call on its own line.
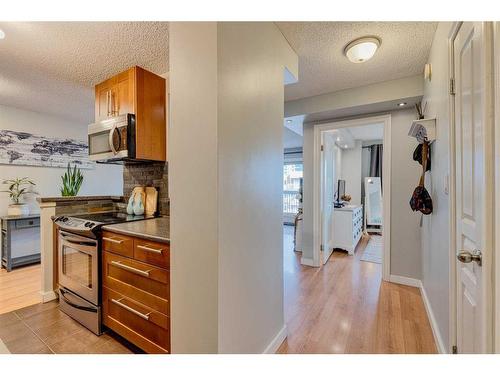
point(2, 34)
point(402, 104)
point(288, 121)
point(362, 49)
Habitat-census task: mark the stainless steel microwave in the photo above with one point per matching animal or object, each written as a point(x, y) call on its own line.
point(113, 140)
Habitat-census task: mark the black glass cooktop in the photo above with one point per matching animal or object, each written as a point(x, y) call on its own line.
point(111, 217)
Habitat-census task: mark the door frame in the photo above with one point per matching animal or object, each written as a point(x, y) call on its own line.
point(493, 319)
point(386, 183)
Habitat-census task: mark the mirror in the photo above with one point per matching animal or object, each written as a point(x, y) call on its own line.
point(373, 201)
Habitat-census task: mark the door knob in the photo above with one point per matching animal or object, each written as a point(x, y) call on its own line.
point(466, 256)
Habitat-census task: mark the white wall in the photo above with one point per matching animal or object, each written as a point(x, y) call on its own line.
point(351, 172)
point(103, 180)
point(436, 227)
point(226, 185)
point(405, 230)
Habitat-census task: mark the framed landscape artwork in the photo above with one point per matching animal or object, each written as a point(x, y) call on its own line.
point(20, 148)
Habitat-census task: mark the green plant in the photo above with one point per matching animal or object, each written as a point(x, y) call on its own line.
point(72, 181)
point(18, 187)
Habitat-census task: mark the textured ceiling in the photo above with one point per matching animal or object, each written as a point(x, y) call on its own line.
point(323, 67)
point(52, 67)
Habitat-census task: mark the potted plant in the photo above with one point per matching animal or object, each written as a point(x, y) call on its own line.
point(18, 187)
point(72, 181)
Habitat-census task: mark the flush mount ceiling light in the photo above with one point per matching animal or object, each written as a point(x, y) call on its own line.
point(402, 104)
point(288, 121)
point(2, 34)
point(362, 49)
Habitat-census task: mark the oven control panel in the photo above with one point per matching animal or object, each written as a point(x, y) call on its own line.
point(74, 223)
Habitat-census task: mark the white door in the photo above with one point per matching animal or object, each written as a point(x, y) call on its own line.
point(473, 181)
point(328, 183)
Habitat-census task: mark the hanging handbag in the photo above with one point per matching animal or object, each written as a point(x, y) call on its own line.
point(421, 199)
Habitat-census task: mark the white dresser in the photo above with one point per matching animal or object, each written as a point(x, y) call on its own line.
point(347, 227)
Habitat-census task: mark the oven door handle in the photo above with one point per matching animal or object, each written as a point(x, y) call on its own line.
point(72, 304)
point(77, 241)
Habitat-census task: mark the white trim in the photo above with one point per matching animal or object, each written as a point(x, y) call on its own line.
point(452, 297)
point(386, 181)
point(496, 255)
point(48, 296)
point(403, 280)
point(276, 341)
point(438, 340)
point(307, 262)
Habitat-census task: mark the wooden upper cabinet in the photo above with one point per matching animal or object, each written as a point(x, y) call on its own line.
point(142, 93)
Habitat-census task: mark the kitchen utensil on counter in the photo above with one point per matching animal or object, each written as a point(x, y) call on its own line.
point(151, 200)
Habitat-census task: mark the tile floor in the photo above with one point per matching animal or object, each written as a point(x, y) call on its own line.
point(44, 329)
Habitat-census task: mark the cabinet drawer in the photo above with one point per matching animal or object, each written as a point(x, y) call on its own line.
point(142, 282)
point(118, 244)
point(152, 252)
point(27, 223)
point(146, 328)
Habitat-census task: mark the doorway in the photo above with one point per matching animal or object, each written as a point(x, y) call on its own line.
point(330, 142)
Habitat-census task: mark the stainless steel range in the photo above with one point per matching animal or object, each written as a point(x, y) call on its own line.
point(79, 264)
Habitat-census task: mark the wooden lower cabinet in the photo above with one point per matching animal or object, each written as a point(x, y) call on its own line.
point(146, 328)
point(136, 294)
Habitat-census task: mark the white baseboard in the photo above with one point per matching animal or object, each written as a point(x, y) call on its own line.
point(405, 281)
point(48, 296)
point(276, 341)
point(307, 261)
point(432, 320)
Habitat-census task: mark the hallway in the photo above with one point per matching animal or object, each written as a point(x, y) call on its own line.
point(344, 307)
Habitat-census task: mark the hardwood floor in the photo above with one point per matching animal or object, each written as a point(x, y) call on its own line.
point(345, 307)
point(19, 288)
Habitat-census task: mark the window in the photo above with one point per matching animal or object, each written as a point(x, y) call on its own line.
point(292, 174)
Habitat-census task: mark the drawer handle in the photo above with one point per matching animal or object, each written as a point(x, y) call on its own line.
point(128, 308)
point(131, 269)
point(150, 249)
point(112, 240)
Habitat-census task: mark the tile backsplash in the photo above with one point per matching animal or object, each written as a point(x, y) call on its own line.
point(154, 174)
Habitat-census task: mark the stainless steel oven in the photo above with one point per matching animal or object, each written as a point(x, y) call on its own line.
point(112, 139)
point(78, 264)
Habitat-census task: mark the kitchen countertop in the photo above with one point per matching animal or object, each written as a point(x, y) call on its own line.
point(157, 229)
point(80, 198)
point(19, 217)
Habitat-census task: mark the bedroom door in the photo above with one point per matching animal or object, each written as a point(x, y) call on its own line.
point(328, 183)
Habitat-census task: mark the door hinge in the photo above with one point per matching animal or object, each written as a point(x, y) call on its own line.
point(321, 248)
point(454, 349)
point(452, 86)
point(321, 147)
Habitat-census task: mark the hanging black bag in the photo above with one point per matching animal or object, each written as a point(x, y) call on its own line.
point(421, 199)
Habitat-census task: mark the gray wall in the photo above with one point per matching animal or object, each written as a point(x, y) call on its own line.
point(405, 174)
point(192, 155)
point(436, 227)
point(405, 230)
point(225, 181)
point(250, 132)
